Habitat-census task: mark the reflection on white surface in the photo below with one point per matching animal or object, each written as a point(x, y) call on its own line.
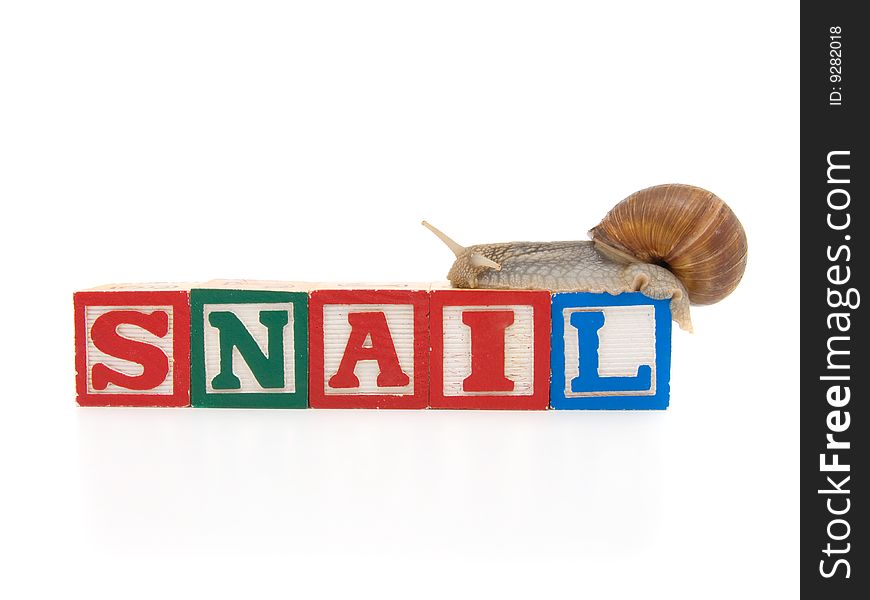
point(387, 483)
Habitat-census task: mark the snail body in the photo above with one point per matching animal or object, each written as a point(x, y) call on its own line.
point(674, 242)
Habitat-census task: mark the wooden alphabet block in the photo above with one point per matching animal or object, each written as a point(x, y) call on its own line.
point(369, 348)
point(490, 349)
point(610, 352)
point(249, 345)
point(133, 345)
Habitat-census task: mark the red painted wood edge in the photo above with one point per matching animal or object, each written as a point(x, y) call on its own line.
point(540, 397)
point(317, 398)
point(179, 300)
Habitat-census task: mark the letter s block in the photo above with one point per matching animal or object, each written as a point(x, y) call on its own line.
point(610, 352)
point(490, 349)
point(369, 348)
point(249, 345)
point(132, 346)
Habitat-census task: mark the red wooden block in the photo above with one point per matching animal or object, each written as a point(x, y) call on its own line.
point(490, 349)
point(132, 346)
point(368, 348)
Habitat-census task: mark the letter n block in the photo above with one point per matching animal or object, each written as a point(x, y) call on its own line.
point(132, 346)
point(610, 352)
point(369, 348)
point(490, 349)
point(249, 347)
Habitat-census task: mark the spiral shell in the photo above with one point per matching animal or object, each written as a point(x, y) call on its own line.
point(685, 229)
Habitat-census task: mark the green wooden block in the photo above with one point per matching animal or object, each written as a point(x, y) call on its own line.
point(249, 345)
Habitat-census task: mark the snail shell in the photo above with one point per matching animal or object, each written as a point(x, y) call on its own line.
point(686, 229)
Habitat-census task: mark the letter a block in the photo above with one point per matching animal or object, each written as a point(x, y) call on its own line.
point(490, 349)
point(369, 348)
point(249, 347)
point(610, 352)
point(132, 346)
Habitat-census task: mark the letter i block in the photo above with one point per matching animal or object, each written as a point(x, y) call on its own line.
point(249, 346)
point(369, 348)
point(610, 352)
point(133, 345)
point(490, 349)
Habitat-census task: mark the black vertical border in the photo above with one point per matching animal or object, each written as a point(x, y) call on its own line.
point(826, 128)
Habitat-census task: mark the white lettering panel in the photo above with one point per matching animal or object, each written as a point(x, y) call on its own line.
point(130, 332)
point(519, 340)
point(249, 315)
point(336, 332)
point(626, 341)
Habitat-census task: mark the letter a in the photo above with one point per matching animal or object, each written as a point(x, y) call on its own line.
point(364, 326)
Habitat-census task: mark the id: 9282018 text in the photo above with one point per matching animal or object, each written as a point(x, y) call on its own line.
point(835, 70)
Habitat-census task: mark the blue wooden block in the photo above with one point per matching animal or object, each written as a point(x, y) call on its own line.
point(610, 352)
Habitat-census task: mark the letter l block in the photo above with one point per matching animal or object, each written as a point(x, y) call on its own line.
point(610, 352)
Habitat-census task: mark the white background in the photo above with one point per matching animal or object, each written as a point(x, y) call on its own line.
point(183, 141)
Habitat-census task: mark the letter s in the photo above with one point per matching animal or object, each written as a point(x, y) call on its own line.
point(155, 364)
point(834, 568)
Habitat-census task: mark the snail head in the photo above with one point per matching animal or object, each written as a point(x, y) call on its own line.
point(469, 263)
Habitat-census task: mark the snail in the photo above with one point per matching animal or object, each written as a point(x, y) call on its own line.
point(674, 241)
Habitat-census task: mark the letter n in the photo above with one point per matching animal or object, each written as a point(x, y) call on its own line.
point(268, 370)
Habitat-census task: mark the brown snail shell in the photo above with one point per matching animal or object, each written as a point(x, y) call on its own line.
point(684, 228)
